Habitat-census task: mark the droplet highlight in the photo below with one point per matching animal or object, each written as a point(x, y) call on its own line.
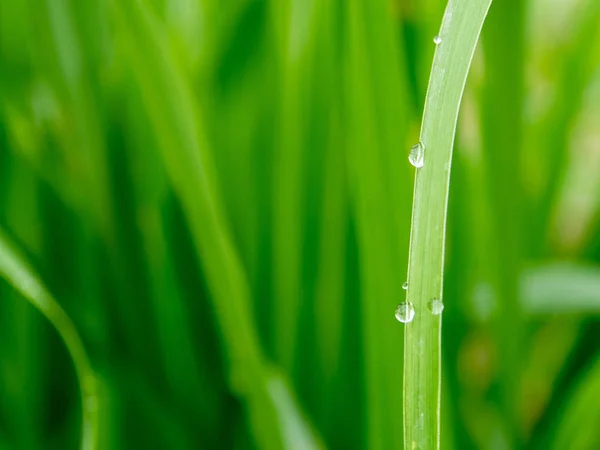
point(437, 39)
point(405, 285)
point(417, 155)
point(436, 306)
point(405, 312)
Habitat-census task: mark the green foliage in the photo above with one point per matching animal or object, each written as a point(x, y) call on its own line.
point(217, 197)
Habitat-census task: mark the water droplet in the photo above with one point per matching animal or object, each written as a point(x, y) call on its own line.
point(436, 306)
point(405, 285)
point(437, 39)
point(417, 155)
point(405, 312)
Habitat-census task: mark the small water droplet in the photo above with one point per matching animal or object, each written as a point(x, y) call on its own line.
point(404, 285)
point(417, 155)
point(405, 312)
point(436, 306)
point(437, 39)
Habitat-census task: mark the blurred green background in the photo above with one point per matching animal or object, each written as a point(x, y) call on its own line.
point(218, 194)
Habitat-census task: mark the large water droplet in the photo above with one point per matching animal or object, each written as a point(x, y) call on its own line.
point(436, 306)
point(417, 155)
point(405, 285)
point(437, 39)
point(405, 312)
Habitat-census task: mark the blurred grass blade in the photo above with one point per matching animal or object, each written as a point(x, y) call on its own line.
point(459, 33)
point(85, 141)
point(16, 272)
point(561, 288)
point(375, 107)
point(502, 100)
point(577, 428)
point(294, 24)
point(575, 65)
point(178, 128)
point(174, 329)
point(297, 434)
point(25, 346)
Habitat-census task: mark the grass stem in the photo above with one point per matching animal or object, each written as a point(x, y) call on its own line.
point(458, 37)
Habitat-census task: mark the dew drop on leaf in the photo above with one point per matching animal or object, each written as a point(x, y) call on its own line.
point(436, 306)
point(405, 312)
point(417, 155)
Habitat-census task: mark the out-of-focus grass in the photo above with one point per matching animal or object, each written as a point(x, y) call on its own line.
point(14, 270)
point(218, 195)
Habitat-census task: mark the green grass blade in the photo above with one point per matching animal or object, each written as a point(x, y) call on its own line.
point(551, 345)
point(173, 328)
point(181, 138)
point(459, 33)
point(564, 288)
point(374, 102)
point(331, 194)
point(84, 143)
point(23, 337)
point(294, 30)
point(502, 130)
point(575, 65)
point(16, 272)
point(577, 428)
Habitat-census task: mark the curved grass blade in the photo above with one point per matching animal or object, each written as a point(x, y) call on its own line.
point(16, 272)
point(459, 34)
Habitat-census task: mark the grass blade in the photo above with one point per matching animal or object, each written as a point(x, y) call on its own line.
point(182, 140)
point(16, 272)
point(25, 346)
point(459, 33)
point(502, 138)
point(565, 288)
point(575, 65)
point(375, 125)
point(296, 52)
point(578, 427)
